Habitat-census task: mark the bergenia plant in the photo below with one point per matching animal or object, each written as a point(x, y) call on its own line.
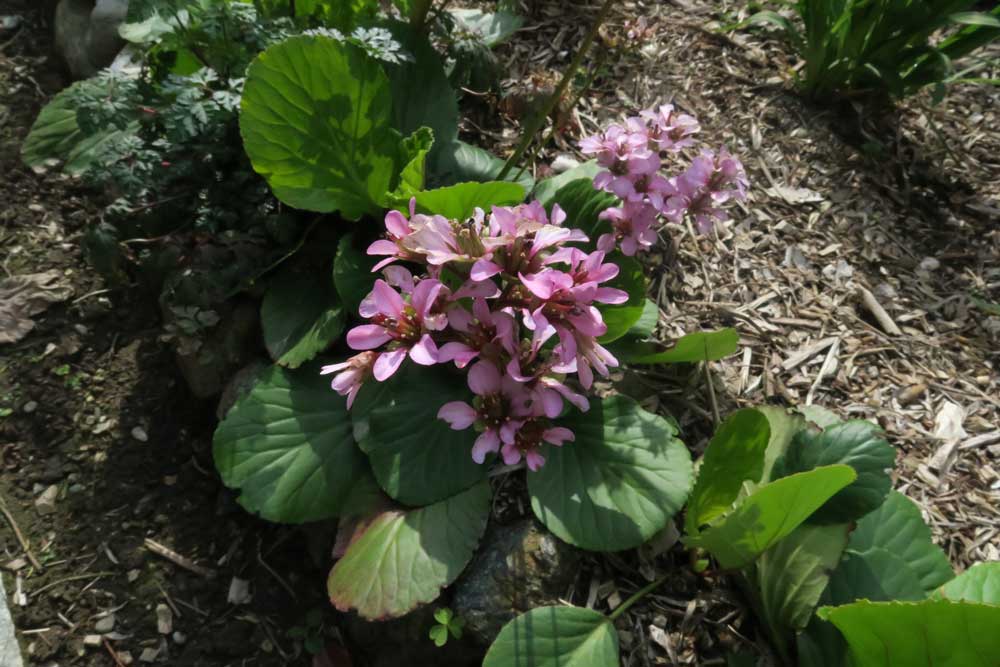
point(524, 295)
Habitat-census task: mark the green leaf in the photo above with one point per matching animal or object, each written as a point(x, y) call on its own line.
point(300, 318)
point(412, 179)
point(769, 514)
point(417, 458)
point(316, 124)
point(975, 18)
point(459, 161)
point(876, 575)
point(699, 346)
point(898, 528)
point(793, 573)
point(647, 322)
point(443, 615)
point(150, 30)
point(618, 483)
point(784, 426)
point(439, 634)
point(352, 274)
point(935, 633)
point(546, 190)
point(56, 136)
point(458, 202)
point(583, 204)
point(819, 416)
point(735, 455)
point(980, 583)
point(555, 637)
point(631, 278)
point(404, 559)
point(854, 443)
point(493, 28)
point(421, 93)
point(287, 447)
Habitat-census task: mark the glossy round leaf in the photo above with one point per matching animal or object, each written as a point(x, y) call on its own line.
point(897, 527)
point(404, 559)
point(631, 278)
point(876, 575)
point(583, 204)
point(300, 318)
point(315, 122)
point(618, 483)
point(980, 583)
point(546, 190)
point(417, 458)
point(556, 637)
point(287, 446)
point(854, 443)
point(458, 202)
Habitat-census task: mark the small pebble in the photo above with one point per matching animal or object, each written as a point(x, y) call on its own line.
point(179, 637)
point(92, 640)
point(105, 624)
point(139, 434)
point(30, 407)
point(149, 655)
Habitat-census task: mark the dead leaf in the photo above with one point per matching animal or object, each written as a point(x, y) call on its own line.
point(948, 422)
point(22, 297)
point(795, 195)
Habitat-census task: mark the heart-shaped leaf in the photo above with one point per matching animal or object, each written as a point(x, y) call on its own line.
point(735, 455)
point(980, 583)
point(555, 637)
point(316, 124)
point(769, 514)
point(404, 559)
point(618, 483)
point(417, 458)
point(854, 443)
point(897, 527)
point(287, 447)
point(300, 317)
point(935, 633)
point(459, 202)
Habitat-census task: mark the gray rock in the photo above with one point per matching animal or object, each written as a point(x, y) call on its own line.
point(10, 653)
point(518, 567)
point(86, 34)
point(105, 624)
point(46, 503)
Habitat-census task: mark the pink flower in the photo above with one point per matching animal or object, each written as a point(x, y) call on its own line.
point(710, 181)
point(352, 373)
point(527, 441)
point(397, 228)
point(633, 227)
point(477, 331)
point(405, 326)
point(668, 130)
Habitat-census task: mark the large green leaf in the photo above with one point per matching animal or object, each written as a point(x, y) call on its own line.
point(458, 202)
point(769, 514)
point(556, 637)
point(698, 346)
point(404, 559)
point(735, 455)
point(876, 575)
point(618, 483)
point(421, 93)
point(583, 204)
point(287, 447)
point(546, 190)
point(854, 443)
point(931, 633)
point(316, 124)
point(56, 136)
point(980, 583)
point(458, 162)
point(492, 27)
point(631, 278)
point(352, 274)
point(791, 576)
point(898, 528)
point(784, 426)
point(417, 458)
point(647, 322)
point(300, 317)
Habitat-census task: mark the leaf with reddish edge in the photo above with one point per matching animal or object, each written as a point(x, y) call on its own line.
point(404, 558)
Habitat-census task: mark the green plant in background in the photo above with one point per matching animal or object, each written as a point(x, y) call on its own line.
point(310, 631)
point(884, 47)
point(448, 625)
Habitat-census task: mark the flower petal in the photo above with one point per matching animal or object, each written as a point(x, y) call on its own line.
point(425, 352)
point(484, 269)
point(388, 363)
point(387, 300)
point(557, 435)
point(484, 379)
point(459, 415)
point(486, 443)
point(367, 337)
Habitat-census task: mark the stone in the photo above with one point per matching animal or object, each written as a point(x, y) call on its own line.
point(105, 624)
point(229, 346)
point(164, 619)
point(86, 34)
point(10, 653)
point(149, 655)
point(92, 640)
point(30, 407)
point(139, 433)
point(564, 163)
point(518, 567)
point(46, 502)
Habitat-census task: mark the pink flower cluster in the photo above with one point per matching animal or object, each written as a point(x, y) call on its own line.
point(516, 286)
point(632, 156)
